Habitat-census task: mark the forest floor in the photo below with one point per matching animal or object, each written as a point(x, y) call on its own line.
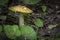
point(52, 16)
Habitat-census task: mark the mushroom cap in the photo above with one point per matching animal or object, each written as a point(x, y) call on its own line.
point(21, 9)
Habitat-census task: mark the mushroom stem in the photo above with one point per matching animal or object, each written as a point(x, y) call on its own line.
point(21, 20)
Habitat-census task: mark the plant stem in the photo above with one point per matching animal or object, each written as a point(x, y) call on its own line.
point(21, 19)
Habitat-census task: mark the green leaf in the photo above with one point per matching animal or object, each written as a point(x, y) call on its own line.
point(12, 31)
point(28, 32)
point(3, 17)
point(11, 13)
point(0, 28)
point(44, 8)
point(3, 2)
point(30, 1)
point(52, 26)
point(38, 22)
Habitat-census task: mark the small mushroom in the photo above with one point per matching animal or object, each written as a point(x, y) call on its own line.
point(21, 10)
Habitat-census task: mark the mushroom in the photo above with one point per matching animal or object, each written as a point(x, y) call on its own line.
point(20, 10)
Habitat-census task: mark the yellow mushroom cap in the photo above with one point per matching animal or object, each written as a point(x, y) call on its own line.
point(22, 9)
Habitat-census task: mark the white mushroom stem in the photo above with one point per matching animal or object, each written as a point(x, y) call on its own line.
point(21, 19)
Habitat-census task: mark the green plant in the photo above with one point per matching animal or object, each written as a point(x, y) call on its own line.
point(12, 31)
point(28, 32)
point(44, 8)
point(38, 22)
